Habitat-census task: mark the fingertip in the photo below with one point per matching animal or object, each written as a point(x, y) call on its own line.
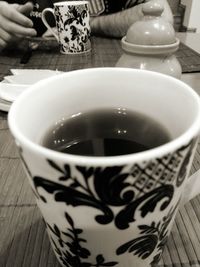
point(2, 44)
point(26, 8)
point(30, 32)
point(29, 22)
point(30, 4)
point(33, 32)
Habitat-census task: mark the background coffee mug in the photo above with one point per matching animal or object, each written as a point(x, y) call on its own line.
point(109, 211)
point(72, 23)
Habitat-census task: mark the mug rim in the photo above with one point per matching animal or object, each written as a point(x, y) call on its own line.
point(70, 3)
point(143, 156)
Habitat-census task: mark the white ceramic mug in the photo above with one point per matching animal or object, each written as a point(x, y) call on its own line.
point(72, 24)
point(109, 211)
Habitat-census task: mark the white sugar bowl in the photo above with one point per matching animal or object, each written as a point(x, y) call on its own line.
point(150, 43)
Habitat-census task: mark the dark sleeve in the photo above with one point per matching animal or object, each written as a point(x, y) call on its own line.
point(35, 15)
point(131, 3)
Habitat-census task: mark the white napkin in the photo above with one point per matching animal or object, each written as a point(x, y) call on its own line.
point(36, 71)
point(13, 85)
point(29, 76)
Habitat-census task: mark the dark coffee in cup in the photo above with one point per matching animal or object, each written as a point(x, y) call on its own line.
point(109, 132)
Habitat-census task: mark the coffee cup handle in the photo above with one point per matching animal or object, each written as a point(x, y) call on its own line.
point(192, 187)
point(44, 12)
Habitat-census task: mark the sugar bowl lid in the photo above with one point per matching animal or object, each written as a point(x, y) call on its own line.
point(153, 29)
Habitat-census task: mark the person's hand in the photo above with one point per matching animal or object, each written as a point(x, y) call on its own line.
point(14, 22)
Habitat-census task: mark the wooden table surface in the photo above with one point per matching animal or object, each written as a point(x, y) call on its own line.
point(23, 239)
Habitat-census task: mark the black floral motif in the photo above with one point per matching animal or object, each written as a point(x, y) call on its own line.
point(112, 189)
point(74, 32)
point(76, 14)
point(147, 203)
point(84, 196)
point(183, 169)
point(105, 188)
point(81, 38)
point(85, 37)
point(59, 19)
point(75, 255)
point(151, 237)
point(137, 190)
point(73, 28)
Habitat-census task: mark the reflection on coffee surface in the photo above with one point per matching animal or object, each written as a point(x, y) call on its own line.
point(109, 132)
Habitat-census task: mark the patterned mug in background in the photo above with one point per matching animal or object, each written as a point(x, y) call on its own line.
point(72, 24)
point(109, 211)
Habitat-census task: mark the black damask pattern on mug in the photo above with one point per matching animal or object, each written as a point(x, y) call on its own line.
point(152, 188)
point(70, 28)
point(69, 248)
point(152, 237)
point(105, 188)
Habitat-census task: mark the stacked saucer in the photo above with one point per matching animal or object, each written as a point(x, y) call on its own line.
point(20, 80)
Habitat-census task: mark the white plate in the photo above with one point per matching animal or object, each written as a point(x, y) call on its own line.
point(10, 92)
point(30, 76)
point(13, 85)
